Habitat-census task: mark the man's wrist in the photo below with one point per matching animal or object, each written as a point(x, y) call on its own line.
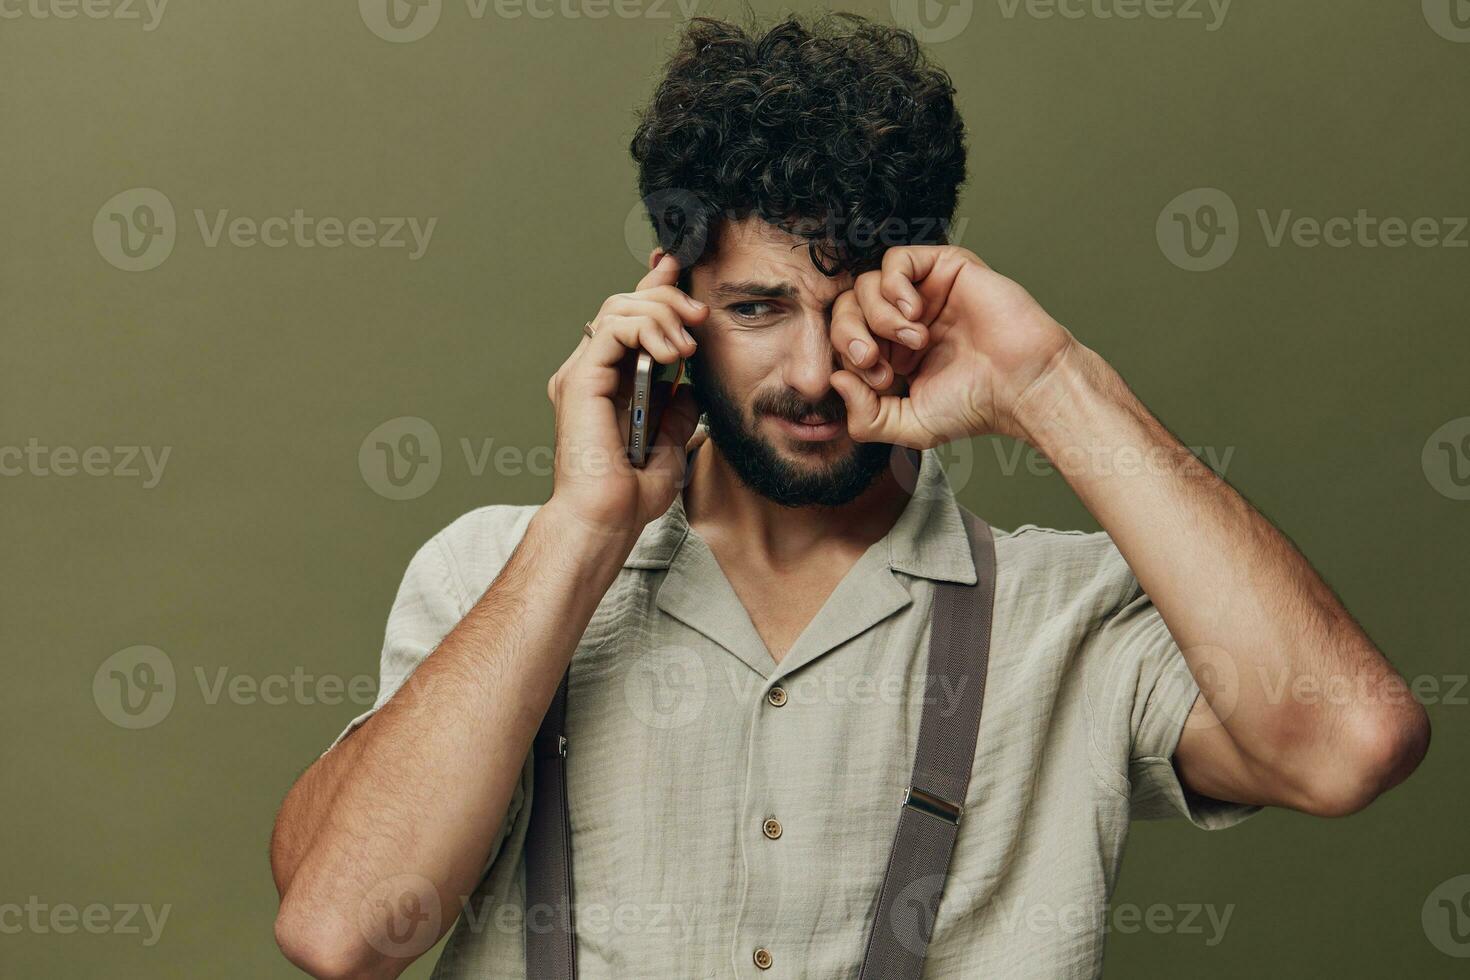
point(1092, 428)
point(593, 551)
point(1076, 406)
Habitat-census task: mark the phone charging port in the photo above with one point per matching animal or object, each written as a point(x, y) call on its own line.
point(637, 416)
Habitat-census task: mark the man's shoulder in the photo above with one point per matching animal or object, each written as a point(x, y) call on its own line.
point(476, 545)
point(1066, 564)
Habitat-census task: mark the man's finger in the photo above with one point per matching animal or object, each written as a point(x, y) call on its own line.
point(885, 319)
point(878, 418)
point(902, 267)
point(689, 309)
point(665, 272)
point(859, 350)
point(671, 446)
point(680, 419)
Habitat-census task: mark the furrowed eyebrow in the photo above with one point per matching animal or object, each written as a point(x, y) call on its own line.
point(749, 287)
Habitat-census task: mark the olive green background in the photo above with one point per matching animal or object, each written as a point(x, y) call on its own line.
point(265, 550)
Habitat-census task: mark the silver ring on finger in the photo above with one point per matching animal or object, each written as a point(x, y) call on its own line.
point(587, 330)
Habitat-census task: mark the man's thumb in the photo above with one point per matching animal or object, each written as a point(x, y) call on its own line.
point(863, 408)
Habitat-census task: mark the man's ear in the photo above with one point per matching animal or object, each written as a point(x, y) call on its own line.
point(653, 258)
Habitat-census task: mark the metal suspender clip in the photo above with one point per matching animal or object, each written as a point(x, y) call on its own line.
point(545, 747)
point(932, 805)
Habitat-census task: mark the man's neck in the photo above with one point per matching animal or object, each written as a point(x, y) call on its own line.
point(719, 506)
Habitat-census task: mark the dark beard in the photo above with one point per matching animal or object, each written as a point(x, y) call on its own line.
point(758, 464)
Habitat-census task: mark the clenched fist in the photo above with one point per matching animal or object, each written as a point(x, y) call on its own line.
point(937, 346)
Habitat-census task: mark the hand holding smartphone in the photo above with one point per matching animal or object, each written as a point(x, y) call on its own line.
point(654, 385)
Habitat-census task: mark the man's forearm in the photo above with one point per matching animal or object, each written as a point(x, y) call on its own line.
point(422, 788)
point(1238, 598)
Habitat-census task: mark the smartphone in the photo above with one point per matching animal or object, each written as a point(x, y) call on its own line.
point(653, 388)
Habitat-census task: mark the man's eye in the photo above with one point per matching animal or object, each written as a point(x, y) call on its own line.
point(751, 311)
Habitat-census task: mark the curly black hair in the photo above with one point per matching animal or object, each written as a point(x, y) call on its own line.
point(840, 130)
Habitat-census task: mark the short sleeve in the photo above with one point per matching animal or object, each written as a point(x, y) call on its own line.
point(1141, 693)
point(428, 605)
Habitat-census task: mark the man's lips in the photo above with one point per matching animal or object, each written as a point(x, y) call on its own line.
point(811, 428)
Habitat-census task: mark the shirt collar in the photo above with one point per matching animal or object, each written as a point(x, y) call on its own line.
point(928, 539)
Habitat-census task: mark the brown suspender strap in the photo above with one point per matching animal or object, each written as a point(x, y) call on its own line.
point(959, 650)
point(551, 939)
point(929, 818)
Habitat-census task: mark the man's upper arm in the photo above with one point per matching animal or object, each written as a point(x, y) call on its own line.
point(427, 606)
point(443, 581)
point(1149, 715)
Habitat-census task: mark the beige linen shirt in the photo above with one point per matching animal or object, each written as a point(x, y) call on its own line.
point(722, 803)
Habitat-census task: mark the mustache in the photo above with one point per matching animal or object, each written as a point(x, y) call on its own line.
point(787, 404)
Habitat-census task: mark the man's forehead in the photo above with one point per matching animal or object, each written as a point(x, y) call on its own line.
point(756, 258)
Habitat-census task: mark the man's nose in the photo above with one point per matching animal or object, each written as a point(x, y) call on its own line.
point(810, 362)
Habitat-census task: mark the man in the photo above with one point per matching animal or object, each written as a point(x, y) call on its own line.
point(747, 641)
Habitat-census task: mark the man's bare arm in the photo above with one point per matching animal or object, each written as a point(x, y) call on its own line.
point(414, 798)
point(1237, 597)
point(1300, 708)
point(405, 810)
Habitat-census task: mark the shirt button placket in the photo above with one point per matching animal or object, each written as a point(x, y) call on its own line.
point(771, 828)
